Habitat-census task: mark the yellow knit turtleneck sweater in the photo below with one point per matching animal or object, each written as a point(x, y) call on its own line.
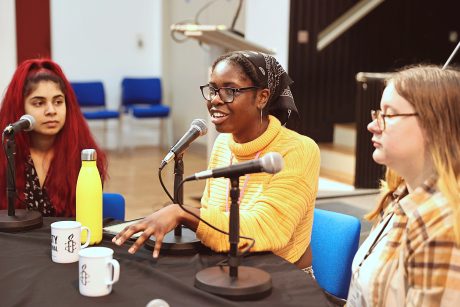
point(276, 209)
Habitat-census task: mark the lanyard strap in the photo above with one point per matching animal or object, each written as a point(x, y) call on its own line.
point(376, 240)
point(379, 236)
point(246, 179)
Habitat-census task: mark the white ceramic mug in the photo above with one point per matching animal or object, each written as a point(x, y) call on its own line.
point(65, 241)
point(97, 271)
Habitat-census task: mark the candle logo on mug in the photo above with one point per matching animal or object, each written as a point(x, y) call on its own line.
point(97, 271)
point(84, 276)
point(65, 241)
point(70, 245)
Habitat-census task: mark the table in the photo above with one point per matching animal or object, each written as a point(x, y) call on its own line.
point(28, 277)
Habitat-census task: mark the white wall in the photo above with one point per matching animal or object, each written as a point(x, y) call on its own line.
point(7, 43)
point(188, 62)
point(108, 40)
point(267, 23)
point(98, 40)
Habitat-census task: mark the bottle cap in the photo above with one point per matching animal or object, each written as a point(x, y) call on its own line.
point(88, 155)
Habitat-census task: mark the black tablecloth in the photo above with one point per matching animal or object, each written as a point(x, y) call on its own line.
point(28, 277)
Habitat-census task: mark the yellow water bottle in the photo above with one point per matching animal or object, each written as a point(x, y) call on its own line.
point(89, 196)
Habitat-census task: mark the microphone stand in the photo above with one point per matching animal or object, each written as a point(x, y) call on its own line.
point(234, 282)
point(182, 240)
point(13, 220)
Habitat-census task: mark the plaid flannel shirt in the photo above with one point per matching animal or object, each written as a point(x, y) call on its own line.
point(420, 263)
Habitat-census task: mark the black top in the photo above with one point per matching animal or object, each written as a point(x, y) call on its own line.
point(29, 277)
point(35, 197)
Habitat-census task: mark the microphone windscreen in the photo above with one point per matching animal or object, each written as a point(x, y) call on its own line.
point(201, 125)
point(272, 162)
point(31, 120)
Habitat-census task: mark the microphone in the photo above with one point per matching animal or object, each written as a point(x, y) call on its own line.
point(271, 163)
point(26, 123)
point(197, 128)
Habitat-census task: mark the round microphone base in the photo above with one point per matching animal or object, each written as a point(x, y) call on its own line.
point(251, 283)
point(21, 221)
point(185, 244)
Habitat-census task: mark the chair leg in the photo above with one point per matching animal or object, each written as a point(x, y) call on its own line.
point(165, 133)
point(130, 134)
point(104, 135)
point(170, 132)
point(126, 142)
point(335, 300)
point(161, 133)
point(120, 133)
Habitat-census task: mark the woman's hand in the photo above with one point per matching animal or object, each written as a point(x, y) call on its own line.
point(157, 224)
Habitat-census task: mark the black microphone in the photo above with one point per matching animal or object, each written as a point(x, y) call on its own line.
point(197, 128)
point(271, 163)
point(26, 123)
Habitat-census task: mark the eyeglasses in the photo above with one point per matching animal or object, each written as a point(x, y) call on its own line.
point(226, 94)
point(380, 117)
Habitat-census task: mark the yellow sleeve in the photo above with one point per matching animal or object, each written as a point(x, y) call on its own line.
point(272, 218)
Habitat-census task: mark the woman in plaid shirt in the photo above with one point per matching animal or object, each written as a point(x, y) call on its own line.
point(412, 255)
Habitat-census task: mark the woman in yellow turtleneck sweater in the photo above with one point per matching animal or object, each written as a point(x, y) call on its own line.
point(250, 103)
point(275, 210)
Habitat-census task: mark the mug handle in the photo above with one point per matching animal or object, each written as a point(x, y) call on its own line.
point(116, 271)
point(88, 236)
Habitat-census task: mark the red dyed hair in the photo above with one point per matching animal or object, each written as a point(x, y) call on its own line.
point(74, 136)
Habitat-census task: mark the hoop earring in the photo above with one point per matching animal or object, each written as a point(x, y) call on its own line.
point(261, 116)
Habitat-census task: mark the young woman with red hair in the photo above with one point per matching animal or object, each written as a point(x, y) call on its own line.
point(48, 157)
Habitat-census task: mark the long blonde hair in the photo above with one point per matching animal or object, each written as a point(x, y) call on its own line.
point(435, 95)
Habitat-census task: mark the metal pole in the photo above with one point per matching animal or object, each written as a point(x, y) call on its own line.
point(451, 56)
point(178, 177)
point(234, 230)
point(10, 172)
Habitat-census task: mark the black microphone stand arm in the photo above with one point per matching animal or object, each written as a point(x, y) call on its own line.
point(13, 220)
point(234, 227)
point(178, 188)
point(10, 151)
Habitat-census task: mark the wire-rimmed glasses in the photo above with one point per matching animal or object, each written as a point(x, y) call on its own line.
point(380, 117)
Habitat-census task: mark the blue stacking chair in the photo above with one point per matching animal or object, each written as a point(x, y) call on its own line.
point(142, 98)
point(334, 242)
point(113, 205)
point(91, 98)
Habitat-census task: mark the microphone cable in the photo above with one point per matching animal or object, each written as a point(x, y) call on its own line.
point(202, 9)
point(237, 14)
point(243, 252)
point(163, 185)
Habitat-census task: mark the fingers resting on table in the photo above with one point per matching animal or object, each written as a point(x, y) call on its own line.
point(156, 224)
